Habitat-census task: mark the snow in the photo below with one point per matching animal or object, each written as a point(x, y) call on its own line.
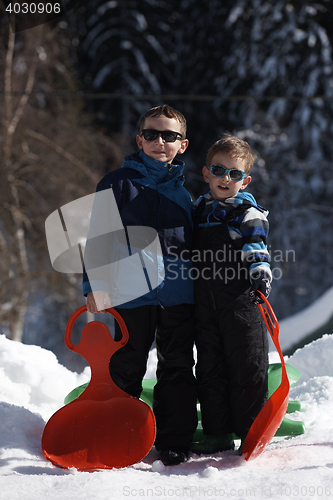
point(33, 385)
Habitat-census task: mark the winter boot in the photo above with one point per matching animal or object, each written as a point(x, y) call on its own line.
point(213, 443)
point(240, 449)
point(174, 457)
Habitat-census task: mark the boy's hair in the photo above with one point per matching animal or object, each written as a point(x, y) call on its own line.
point(235, 148)
point(169, 112)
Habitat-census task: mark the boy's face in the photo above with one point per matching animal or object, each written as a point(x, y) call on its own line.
point(159, 149)
point(223, 187)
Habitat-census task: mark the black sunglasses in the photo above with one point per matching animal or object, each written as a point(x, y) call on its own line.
point(150, 134)
point(233, 173)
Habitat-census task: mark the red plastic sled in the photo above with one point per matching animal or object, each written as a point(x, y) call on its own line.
point(271, 415)
point(104, 427)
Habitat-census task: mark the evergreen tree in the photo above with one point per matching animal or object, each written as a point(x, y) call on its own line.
point(125, 51)
point(282, 58)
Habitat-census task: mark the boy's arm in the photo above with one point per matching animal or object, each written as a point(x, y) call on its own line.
point(254, 229)
point(98, 258)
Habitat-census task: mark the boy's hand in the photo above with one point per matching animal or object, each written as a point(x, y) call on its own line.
point(260, 282)
point(97, 302)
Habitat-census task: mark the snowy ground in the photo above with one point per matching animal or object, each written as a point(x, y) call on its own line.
point(33, 386)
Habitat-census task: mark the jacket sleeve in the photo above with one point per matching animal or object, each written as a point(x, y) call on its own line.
point(106, 242)
point(254, 230)
point(93, 251)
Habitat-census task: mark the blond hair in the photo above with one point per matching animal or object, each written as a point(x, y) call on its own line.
point(235, 148)
point(169, 112)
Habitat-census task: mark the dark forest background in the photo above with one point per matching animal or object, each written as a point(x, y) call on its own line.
point(260, 69)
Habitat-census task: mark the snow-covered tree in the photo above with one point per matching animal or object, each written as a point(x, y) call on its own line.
point(282, 60)
point(125, 51)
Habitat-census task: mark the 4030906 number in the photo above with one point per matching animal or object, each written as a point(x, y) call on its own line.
point(33, 8)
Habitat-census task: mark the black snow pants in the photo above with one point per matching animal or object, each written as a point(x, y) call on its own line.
point(232, 367)
point(231, 337)
point(175, 395)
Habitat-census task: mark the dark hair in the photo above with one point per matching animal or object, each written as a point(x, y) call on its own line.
point(235, 148)
point(169, 112)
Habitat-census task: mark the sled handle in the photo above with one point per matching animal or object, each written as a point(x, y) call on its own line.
point(83, 309)
point(270, 319)
point(273, 327)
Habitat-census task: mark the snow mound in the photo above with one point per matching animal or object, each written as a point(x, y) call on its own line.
point(31, 376)
point(314, 359)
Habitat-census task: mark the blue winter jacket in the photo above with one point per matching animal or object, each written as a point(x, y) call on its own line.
point(151, 193)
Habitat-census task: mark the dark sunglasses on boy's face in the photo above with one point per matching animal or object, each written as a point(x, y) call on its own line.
point(234, 174)
point(149, 134)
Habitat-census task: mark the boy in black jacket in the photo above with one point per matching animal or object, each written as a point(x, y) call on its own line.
point(231, 263)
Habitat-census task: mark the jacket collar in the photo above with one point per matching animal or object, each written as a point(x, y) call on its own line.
point(241, 199)
point(158, 170)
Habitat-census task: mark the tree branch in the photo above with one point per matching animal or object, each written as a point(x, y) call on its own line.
point(64, 153)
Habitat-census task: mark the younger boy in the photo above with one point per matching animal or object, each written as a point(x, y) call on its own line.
point(231, 259)
point(149, 191)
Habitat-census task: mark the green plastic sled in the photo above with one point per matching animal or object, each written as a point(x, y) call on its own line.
point(288, 427)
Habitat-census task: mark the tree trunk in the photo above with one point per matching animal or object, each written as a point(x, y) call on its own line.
point(20, 271)
point(17, 318)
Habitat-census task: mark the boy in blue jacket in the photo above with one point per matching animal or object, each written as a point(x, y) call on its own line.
point(231, 263)
point(149, 191)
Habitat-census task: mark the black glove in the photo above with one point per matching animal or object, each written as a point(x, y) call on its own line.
point(261, 282)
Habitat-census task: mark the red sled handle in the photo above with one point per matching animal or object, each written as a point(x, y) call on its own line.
point(269, 318)
point(272, 325)
point(82, 309)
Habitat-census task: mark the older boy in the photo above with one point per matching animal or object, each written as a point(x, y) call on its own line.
point(231, 259)
point(149, 192)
